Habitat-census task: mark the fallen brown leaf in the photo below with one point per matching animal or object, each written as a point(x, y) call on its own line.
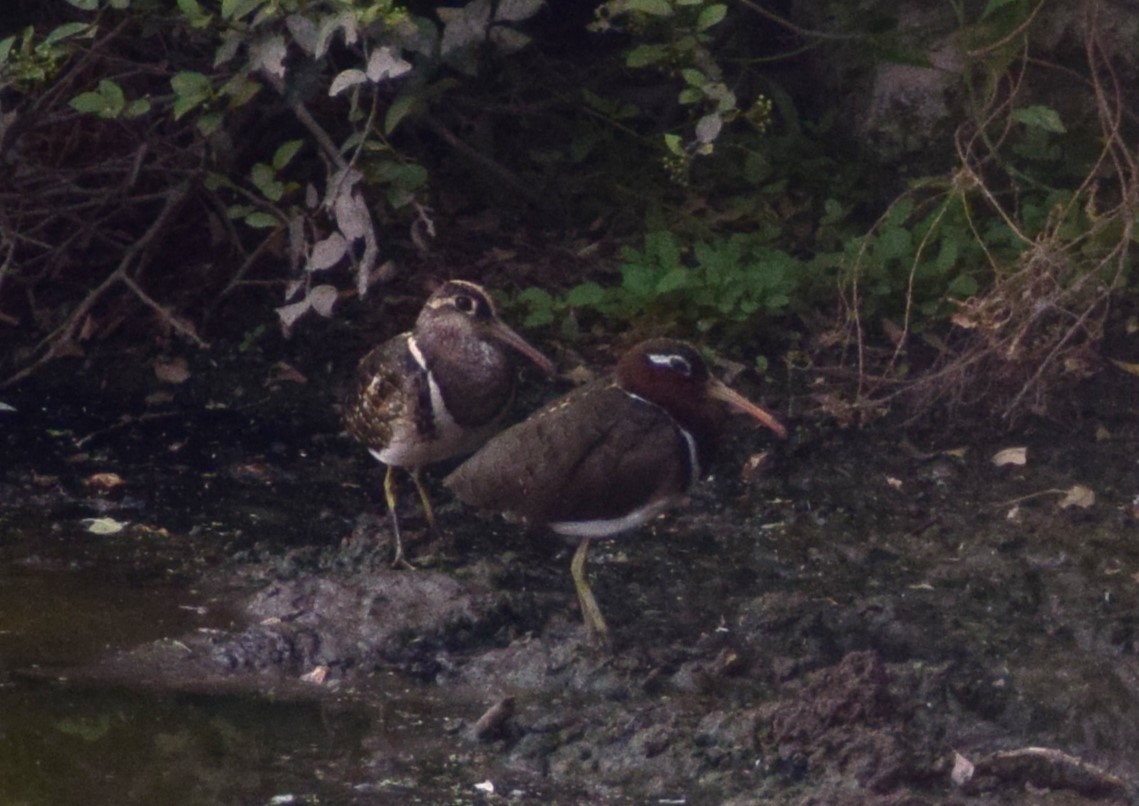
point(1078, 495)
point(103, 482)
point(172, 370)
point(1010, 456)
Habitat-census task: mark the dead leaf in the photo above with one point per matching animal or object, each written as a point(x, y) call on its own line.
point(579, 375)
point(896, 483)
point(172, 370)
point(962, 770)
point(1133, 369)
point(323, 298)
point(103, 526)
point(753, 465)
point(1011, 456)
point(963, 320)
point(286, 372)
point(956, 453)
point(895, 334)
point(327, 253)
point(1013, 515)
point(318, 675)
point(1078, 495)
point(1102, 434)
point(103, 482)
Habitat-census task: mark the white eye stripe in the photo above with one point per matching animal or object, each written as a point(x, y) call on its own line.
point(670, 361)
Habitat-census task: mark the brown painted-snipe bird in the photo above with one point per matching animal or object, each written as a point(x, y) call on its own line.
point(437, 391)
point(609, 456)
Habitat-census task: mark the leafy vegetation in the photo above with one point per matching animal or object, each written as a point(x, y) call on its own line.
point(323, 141)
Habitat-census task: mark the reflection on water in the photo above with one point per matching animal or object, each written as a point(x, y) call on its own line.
point(65, 742)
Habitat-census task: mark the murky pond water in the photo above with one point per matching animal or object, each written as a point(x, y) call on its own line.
point(75, 741)
point(67, 736)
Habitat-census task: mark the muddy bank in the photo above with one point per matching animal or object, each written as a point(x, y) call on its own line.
point(877, 617)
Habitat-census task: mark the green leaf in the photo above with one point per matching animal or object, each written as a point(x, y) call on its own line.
point(994, 6)
point(66, 31)
point(107, 101)
point(693, 77)
point(399, 109)
point(236, 9)
point(899, 212)
point(240, 90)
point(645, 55)
point(663, 249)
point(264, 178)
point(87, 103)
point(657, 8)
point(284, 155)
point(893, 244)
point(85, 5)
point(1040, 117)
point(406, 176)
point(214, 181)
point(947, 255)
point(261, 220)
point(541, 305)
point(137, 108)
point(536, 297)
point(209, 123)
point(673, 280)
point(6, 47)
point(639, 280)
point(190, 8)
point(538, 317)
point(963, 286)
point(674, 144)
point(690, 95)
point(190, 90)
point(710, 15)
point(833, 212)
point(586, 295)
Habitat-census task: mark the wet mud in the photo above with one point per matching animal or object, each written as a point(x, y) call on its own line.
point(883, 616)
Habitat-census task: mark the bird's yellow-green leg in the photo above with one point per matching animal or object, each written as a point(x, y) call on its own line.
point(389, 496)
point(594, 621)
point(427, 510)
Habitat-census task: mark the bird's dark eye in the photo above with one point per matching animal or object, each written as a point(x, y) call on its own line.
point(464, 304)
point(671, 362)
point(679, 364)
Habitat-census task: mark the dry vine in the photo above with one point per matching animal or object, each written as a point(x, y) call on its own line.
point(91, 212)
point(1034, 331)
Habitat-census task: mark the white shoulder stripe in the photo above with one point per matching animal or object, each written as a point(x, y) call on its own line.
point(416, 353)
point(689, 440)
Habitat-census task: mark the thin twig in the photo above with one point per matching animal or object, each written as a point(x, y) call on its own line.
point(55, 342)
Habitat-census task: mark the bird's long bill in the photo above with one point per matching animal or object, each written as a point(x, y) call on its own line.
point(721, 391)
point(507, 336)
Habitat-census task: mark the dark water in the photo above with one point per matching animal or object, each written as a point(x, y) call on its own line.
point(71, 742)
point(62, 743)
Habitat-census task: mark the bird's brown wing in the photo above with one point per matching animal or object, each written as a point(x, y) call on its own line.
point(596, 454)
point(388, 388)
